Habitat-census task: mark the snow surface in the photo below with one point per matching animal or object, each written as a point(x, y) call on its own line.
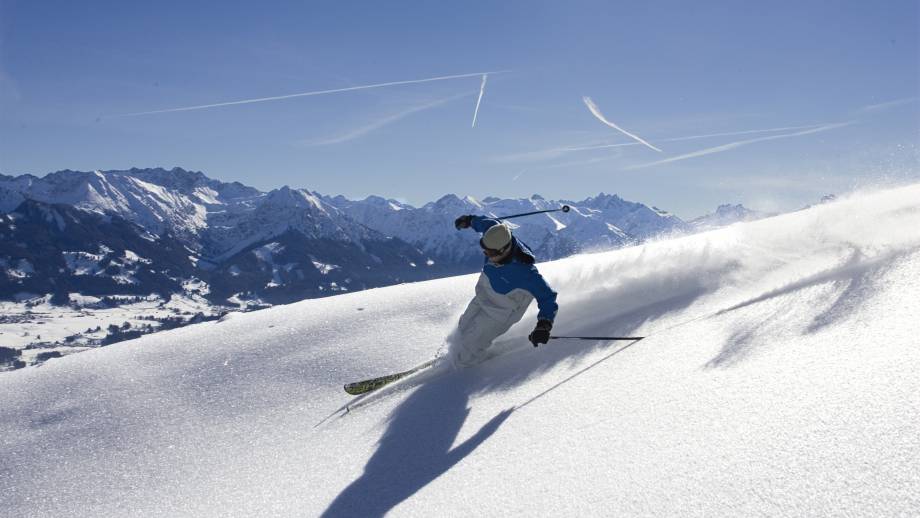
point(22, 323)
point(778, 378)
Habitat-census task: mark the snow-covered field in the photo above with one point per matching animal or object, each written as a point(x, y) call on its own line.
point(778, 378)
point(43, 327)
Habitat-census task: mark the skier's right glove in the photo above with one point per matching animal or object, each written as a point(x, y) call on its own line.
point(463, 222)
point(540, 334)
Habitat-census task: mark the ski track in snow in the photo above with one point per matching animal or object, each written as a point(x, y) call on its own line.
point(778, 378)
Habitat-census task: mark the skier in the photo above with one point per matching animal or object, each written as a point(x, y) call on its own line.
point(509, 282)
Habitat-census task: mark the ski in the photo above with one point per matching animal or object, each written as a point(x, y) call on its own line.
point(369, 385)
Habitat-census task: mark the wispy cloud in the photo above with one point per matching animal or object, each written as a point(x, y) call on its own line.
point(804, 182)
point(309, 94)
point(539, 155)
point(743, 132)
point(740, 143)
point(886, 105)
point(600, 116)
point(377, 124)
point(578, 163)
point(550, 153)
point(482, 90)
point(704, 136)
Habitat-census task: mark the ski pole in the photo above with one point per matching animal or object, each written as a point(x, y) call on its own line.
point(564, 208)
point(623, 338)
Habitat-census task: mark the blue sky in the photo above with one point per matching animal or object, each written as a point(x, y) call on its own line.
point(804, 98)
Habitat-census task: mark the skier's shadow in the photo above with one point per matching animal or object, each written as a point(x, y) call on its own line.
point(415, 449)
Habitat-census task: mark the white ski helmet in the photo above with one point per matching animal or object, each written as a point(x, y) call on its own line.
point(497, 237)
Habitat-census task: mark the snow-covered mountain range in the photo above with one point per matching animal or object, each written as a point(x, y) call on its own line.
point(778, 377)
point(277, 246)
point(727, 214)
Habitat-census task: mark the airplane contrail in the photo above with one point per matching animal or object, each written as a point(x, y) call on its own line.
point(733, 145)
point(546, 154)
point(600, 116)
point(707, 135)
point(363, 130)
point(308, 94)
point(482, 90)
point(886, 105)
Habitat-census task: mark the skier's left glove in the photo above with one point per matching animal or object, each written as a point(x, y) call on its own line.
point(540, 334)
point(463, 221)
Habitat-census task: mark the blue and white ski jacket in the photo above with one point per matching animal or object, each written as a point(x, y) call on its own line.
point(518, 273)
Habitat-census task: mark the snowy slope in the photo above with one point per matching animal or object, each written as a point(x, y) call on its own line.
point(779, 378)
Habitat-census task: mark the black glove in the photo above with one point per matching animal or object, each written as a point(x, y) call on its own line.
point(540, 334)
point(463, 221)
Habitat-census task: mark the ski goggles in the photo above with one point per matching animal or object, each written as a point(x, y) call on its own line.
point(490, 252)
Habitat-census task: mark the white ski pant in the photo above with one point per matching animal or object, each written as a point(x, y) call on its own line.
point(488, 316)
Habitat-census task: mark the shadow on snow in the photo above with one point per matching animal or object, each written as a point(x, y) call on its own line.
point(416, 448)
